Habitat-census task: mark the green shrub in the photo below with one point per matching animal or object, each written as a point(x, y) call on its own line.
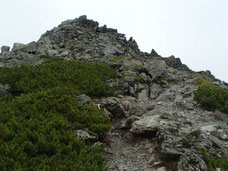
point(116, 59)
point(88, 78)
point(44, 57)
point(36, 132)
point(213, 163)
point(38, 116)
point(166, 77)
point(212, 97)
point(140, 79)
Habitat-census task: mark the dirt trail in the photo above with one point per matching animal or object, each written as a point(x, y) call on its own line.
point(126, 152)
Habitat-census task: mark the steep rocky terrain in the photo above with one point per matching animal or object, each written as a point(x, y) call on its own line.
point(156, 123)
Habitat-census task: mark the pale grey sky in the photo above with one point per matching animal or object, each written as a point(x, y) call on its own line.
point(194, 30)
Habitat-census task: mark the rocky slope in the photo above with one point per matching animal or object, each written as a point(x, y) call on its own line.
point(157, 125)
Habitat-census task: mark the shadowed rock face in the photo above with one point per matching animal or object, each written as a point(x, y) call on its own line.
point(155, 118)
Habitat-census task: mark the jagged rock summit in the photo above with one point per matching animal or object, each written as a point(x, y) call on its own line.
point(155, 118)
point(77, 39)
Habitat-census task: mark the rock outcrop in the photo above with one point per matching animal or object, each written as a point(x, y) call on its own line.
point(155, 118)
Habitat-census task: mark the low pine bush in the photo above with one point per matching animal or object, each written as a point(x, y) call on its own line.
point(212, 97)
point(88, 78)
point(213, 163)
point(40, 112)
point(36, 132)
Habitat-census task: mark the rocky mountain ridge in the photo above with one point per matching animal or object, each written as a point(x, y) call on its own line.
point(154, 115)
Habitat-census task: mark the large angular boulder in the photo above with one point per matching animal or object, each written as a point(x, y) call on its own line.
point(5, 52)
point(167, 96)
point(153, 53)
point(5, 49)
point(113, 105)
point(143, 95)
point(7, 55)
point(18, 46)
point(155, 68)
point(154, 91)
point(141, 109)
point(112, 50)
point(176, 63)
point(146, 125)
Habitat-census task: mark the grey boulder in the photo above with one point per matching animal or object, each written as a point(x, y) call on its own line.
point(113, 105)
point(5, 49)
point(84, 99)
point(148, 124)
point(155, 68)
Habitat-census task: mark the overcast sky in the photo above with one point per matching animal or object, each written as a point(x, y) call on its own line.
point(194, 30)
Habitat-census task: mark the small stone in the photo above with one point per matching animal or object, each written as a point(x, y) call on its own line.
point(123, 125)
point(83, 135)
